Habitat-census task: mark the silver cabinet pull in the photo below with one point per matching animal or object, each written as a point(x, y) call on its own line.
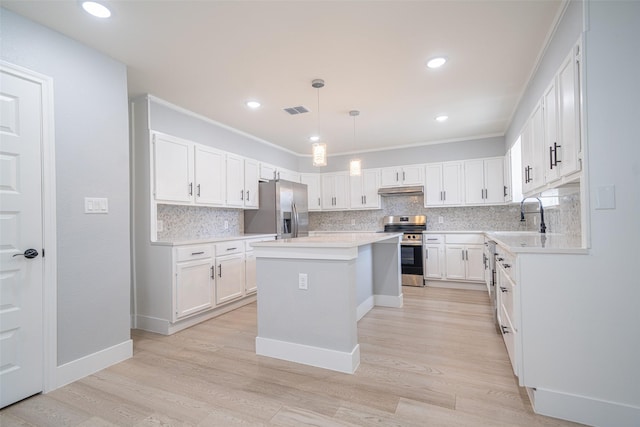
point(191, 188)
point(231, 249)
point(318, 201)
point(197, 253)
point(365, 199)
point(198, 190)
point(241, 194)
point(213, 274)
point(397, 177)
point(247, 195)
point(403, 176)
point(219, 270)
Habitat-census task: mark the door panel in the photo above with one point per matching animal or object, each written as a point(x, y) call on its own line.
point(21, 279)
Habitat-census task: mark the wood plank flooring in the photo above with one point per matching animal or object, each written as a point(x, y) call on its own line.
point(436, 362)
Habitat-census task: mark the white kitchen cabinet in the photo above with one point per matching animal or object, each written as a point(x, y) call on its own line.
point(550, 121)
point(464, 257)
point(444, 184)
point(434, 255)
point(506, 176)
point(187, 173)
point(533, 151)
point(364, 190)
point(402, 175)
point(242, 182)
point(507, 305)
point(314, 194)
point(250, 280)
point(288, 175)
point(267, 172)
point(335, 191)
point(230, 271)
point(209, 176)
point(172, 169)
point(484, 181)
point(194, 280)
point(569, 122)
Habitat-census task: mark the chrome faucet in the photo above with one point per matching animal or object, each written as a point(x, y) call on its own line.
point(543, 228)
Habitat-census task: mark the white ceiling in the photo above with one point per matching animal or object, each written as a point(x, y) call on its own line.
point(211, 56)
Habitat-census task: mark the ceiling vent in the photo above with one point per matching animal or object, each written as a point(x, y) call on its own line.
point(296, 110)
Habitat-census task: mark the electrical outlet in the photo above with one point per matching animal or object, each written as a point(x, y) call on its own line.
point(226, 225)
point(303, 281)
point(440, 220)
point(159, 225)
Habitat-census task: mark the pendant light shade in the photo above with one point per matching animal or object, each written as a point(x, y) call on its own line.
point(319, 154)
point(355, 165)
point(318, 149)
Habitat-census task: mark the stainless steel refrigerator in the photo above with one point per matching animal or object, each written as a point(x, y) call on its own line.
point(283, 210)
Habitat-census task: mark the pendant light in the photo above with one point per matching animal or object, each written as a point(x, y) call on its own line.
point(355, 165)
point(319, 149)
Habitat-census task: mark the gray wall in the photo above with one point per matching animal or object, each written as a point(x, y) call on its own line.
point(195, 128)
point(463, 150)
point(92, 158)
point(567, 33)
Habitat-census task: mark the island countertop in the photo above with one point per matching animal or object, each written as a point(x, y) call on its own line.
point(325, 246)
point(533, 242)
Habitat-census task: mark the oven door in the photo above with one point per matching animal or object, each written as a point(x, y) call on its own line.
point(411, 262)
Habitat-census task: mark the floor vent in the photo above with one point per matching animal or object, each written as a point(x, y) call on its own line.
point(296, 110)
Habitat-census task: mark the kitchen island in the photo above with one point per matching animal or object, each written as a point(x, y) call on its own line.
point(313, 290)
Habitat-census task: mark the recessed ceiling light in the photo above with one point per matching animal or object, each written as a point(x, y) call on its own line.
point(96, 9)
point(442, 118)
point(436, 62)
point(253, 104)
point(314, 138)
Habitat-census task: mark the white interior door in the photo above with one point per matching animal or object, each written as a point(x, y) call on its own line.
point(21, 277)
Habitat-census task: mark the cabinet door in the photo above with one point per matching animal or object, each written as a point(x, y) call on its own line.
point(251, 284)
point(356, 196)
point(533, 152)
point(230, 280)
point(433, 185)
point(209, 176)
point(390, 177)
point(412, 175)
point(251, 179)
point(455, 262)
point(370, 186)
point(569, 113)
point(452, 188)
point(328, 191)
point(267, 172)
point(313, 190)
point(173, 169)
point(235, 181)
point(474, 181)
point(494, 180)
point(474, 263)
point(551, 143)
point(342, 190)
point(506, 177)
point(288, 175)
point(194, 287)
point(433, 261)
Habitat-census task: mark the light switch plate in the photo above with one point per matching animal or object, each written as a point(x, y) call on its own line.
point(96, 205)
point(303, 281)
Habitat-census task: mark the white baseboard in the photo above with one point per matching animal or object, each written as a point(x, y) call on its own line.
point(92, 363)
point(584, 410)
point(389, 301)
point(334, 360)
point(165, 327)
point(449, 284)
point(364, 308)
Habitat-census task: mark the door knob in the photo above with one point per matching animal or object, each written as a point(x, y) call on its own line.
point(29, 253)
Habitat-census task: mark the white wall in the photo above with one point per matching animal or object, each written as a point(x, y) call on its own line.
point(92, 158)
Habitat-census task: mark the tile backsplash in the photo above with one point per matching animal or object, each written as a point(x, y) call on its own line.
point(563, 218)
point(197, 222)
point(194, 222)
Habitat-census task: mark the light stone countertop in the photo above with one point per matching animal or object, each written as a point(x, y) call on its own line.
point(534, 242)
point(329, 240)
point(212, 239)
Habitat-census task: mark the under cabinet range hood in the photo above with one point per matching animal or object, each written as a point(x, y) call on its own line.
point(413, 190)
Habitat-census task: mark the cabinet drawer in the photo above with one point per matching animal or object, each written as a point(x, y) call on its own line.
point(230, 247)
point(187, 253)
point(507, 297)
point(507, 262)
point(465, 239)
point(509, 336)
point(433, 239)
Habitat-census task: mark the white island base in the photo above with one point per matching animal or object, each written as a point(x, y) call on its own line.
point(346, 275)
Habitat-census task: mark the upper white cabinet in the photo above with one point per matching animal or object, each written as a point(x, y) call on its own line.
point(484, 181)
point(267, 172)
point(402, 175)
point(209, 176)
point(314, 193)
point(364, 190)
point(551, 142)
point(443, 184)
point(288, 175)
point(185, 172)
point(335, 191)
point(242, 182)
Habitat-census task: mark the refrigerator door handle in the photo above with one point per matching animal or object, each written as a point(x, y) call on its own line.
point(295, 219)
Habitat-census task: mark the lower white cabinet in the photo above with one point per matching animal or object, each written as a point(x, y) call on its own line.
point(464, 262)
point(507, 305)
point(179, 285)
point(454, 256)
point(433, 248)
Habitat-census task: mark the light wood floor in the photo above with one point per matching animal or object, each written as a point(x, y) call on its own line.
point(435, 362)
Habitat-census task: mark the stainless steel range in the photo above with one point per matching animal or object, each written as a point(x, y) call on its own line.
point(410, 246)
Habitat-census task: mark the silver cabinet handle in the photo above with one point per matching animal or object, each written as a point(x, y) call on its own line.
point(318, 201)
point(213, 274)
point(197, 253)
point(198, 190)
point(365, 199)
point(462, 253)
point(403, 176)
point(397, 177)
point(444, 195)
point(219, 270)
point(191, 188)
point(231, 249)
point(247, 195)
point(241, 194)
